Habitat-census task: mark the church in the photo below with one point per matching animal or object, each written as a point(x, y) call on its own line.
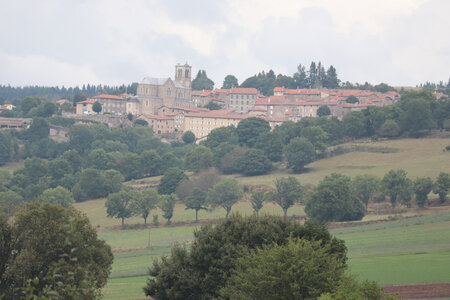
point(153, 93)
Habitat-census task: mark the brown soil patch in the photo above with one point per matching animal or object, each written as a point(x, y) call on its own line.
point(417, 291)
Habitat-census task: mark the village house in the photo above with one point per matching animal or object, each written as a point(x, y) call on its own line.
point(241, 99)
point(112, 104)
point(85, 107)
point(159, 124)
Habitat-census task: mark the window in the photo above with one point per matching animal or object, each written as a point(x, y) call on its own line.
point(186, 74)
point(180, 73)
point(168, 92)
point(146, 103)
point(247, 97)
point(242, 102)
point(231, 102)
point(247, 102)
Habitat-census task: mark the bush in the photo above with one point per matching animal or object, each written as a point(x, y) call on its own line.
point(254, 162)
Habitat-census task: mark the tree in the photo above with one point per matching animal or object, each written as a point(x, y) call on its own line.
point(198, 158)
point(204, 180)
point(143, 202)
point(10, 202)
point(272, 145)
point(288, 191)
point(78, 98)
point(131, 167)
point(393, 184)
point(151, 163)
point(97, 107)
point(196, 200)
point(317, 136)
point(211, 105)
point(300, 77)
point(333, 201)
point(167, 204)
point(201, 271)
point(422, 187)
point(299, 152)
point(101, 160)
point(230, 82)
point(442, 186)
point(80, 138)
point(323, 110)
point(257, 200)
point(352, 99)
point(354, 125)
point(221, 135)
point(202, 82)
point(5, 148)
point(389, 129)
point(58, 195)
point(254, 162)
point(364, 187)
point(140, 122)
point(225, 194)
point(48, 244)
point(331, 79)
point(248, 130)
point(170, 181)
point(416, 116)
point(301, 269)
point(188, 137)
point(39, 129)
point(118, 205)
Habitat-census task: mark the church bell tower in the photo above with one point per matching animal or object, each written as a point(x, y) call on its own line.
point(183, 74)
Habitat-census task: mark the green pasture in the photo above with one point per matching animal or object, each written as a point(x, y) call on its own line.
point(419, 157)
point(125, 288)
point(96, 212)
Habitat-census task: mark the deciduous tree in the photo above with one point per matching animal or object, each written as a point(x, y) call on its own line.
point(257, 200)
point(299, 152)
point(225, 194)
point(196, 201)
point(442, 186)
point(288, 191)
point(58, 195)
point(422, 187)
point(118, 205)
point(364, 187)
point(167, 204)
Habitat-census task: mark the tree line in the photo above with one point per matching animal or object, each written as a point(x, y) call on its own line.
point(11, 94)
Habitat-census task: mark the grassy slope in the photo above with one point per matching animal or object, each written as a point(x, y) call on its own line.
point(419, 157)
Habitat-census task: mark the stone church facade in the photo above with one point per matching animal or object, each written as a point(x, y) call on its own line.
point(153, 93)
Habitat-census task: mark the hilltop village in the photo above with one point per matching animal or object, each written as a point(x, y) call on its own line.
point(170, 105)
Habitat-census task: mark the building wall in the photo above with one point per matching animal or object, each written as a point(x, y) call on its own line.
point(84, 109)
point(202, 126)
point(242, 103)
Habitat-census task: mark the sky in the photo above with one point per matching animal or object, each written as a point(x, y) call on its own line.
point(76, 42)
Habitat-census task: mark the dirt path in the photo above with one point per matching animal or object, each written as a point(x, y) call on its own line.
point(414, 291)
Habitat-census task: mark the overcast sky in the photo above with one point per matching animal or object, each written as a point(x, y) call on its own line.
point(50, 42)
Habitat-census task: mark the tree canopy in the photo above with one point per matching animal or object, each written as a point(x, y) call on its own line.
point(202, 82)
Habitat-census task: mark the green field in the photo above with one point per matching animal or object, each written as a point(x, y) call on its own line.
point(419, 157)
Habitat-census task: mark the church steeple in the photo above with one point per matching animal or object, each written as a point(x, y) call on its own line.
point(183, 74)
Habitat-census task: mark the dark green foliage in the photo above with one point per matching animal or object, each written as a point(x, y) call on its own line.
point(96, 184)
point(225, 194)
point(69, 247)
point(188, 137)
point(333, 201)
point(394, 184)
point(101, 160)
point(10, 202)
point(354, 124)
point(198, 158)
point(248, 130)
point(317, 136)
point(200, 273)
point(272, 145)
point(202, 82)
point(143, 202)
point(211, 105)
point(288, 191)
point(196, 200)
point(422, 187)
point(300, 269)
point(80, 138)
point(323, 110)
point(5, 148)
point(389, 129)
point(170, 181)
point(416, 116)
point(230, 81)
point(97, 107)
point(352, 99)
point(220, 152)
point(221, 135)
point(151, 163)
point(299, 152)
point(442, 186)
point(118, 205)
point(204, 181)
point(131, 167)
point(254, 162)
point(364, 187)
point(39, 129)
point(58, 195)
point(140, 122)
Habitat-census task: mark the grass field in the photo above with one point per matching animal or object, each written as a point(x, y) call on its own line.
point(419, 157)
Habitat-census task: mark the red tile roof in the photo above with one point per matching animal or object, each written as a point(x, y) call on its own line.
point(252, 91)
point(88, 101)
point(105, 96)
point(221, 113)
point(156, 117)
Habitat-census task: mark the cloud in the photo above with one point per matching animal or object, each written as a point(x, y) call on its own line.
point(402, 42)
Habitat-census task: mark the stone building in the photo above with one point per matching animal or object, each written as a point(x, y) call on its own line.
point(241, 100)
point(152, 93)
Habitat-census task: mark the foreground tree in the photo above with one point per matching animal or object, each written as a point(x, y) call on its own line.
point(364, 187)
point(69, 253)
point(170, 181)
point(203, 270)
point(333, 201)
point(422, 187)
point(225, 194)
point(196, 201)
point(442, 186)
point(301, 269)
point(288, 191)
